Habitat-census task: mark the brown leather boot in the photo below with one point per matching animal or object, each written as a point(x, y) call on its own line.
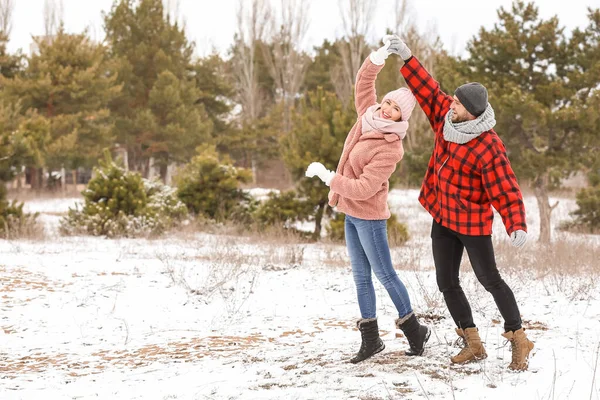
point(472, 347)
point(520, 347)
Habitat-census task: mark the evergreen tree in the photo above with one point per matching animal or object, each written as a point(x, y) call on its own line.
point(154, 61)
point(216, 90)
point(69, 82)
point(176, 125)
point(318, 72)
point(539, 83)
point(121, 203)
point(16, 149)
point(210, 186)
point(10, 64)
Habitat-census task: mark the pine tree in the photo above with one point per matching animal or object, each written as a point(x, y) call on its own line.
point(17, 148)
point(318, 73)
point(176, 127)
point(69, 83)
point(216, 88)
point(10, 64)
point(538, 86)
point(154, 60)
point(121, 203)
point(209, 185)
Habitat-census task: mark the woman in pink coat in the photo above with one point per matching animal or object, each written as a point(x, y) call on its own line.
point(359, 189)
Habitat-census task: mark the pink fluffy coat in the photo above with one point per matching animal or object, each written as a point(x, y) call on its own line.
point(360, 186)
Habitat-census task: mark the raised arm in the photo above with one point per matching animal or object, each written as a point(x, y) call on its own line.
point(434, 102)
point(427, 90)
point(364, 89)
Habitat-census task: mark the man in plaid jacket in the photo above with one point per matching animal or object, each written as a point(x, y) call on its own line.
point(468, 173)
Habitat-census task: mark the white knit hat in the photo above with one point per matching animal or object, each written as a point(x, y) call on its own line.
point(405, 100)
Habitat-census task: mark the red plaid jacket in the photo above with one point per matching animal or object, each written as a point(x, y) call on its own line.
point(463, 181)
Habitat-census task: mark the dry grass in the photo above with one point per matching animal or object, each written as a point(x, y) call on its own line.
point(335, 256)
point(30, 229)
point(224, 273)
point(184, 350)
point(561, 256)
point(568, 267)
point(251, 234)
point(431, 302)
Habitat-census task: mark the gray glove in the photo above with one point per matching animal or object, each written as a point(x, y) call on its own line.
point(518, 238)
point(397, 46)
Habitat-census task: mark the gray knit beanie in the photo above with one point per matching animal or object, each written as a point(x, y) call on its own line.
point(474, 97)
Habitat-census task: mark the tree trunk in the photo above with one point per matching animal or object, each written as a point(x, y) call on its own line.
point(319, 220)
point(254, 169)
point(163, 172)
point(74, 175)
point(63, 180)
point(36, 179)
point(20, 179)
point(540, 188)
point(148, 168)
point(44, 179)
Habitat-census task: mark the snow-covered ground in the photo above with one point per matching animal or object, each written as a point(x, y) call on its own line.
point(199, 316)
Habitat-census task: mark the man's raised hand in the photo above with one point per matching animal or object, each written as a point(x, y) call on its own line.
point(397, 46)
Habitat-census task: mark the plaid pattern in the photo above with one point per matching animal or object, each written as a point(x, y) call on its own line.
point(463, 181)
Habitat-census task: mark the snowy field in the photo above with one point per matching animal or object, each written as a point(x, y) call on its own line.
point(199, 316)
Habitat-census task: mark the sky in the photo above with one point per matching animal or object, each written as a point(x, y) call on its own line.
point(211, 24)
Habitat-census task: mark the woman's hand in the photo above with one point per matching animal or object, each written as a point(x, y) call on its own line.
point(319, 169)
point(378, 57)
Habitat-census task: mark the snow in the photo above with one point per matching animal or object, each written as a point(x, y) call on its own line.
point(52, 205)
point(200, 316)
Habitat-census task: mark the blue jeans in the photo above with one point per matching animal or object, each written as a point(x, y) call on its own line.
point(368, 249)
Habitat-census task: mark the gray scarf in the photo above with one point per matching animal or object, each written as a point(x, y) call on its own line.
point(463, 132)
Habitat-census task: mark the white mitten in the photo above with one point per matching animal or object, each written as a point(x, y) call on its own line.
point(378, 57)
point(319, 169)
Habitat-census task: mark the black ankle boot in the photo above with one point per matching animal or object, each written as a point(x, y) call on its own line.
point(371, 343)
point(416, 334)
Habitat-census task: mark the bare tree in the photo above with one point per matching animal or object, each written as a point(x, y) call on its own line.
point(424, 42)
point(6, 10)
point(401, 15)
point(251, 24)
point(172, 8)
point(356, 20)
point(285, 59)
point(53, 17)
point(425, 45)
point(172, 11)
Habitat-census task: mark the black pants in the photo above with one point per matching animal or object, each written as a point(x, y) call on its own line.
point(448, 249)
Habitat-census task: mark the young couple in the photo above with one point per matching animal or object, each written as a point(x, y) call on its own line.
point(467, 174)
